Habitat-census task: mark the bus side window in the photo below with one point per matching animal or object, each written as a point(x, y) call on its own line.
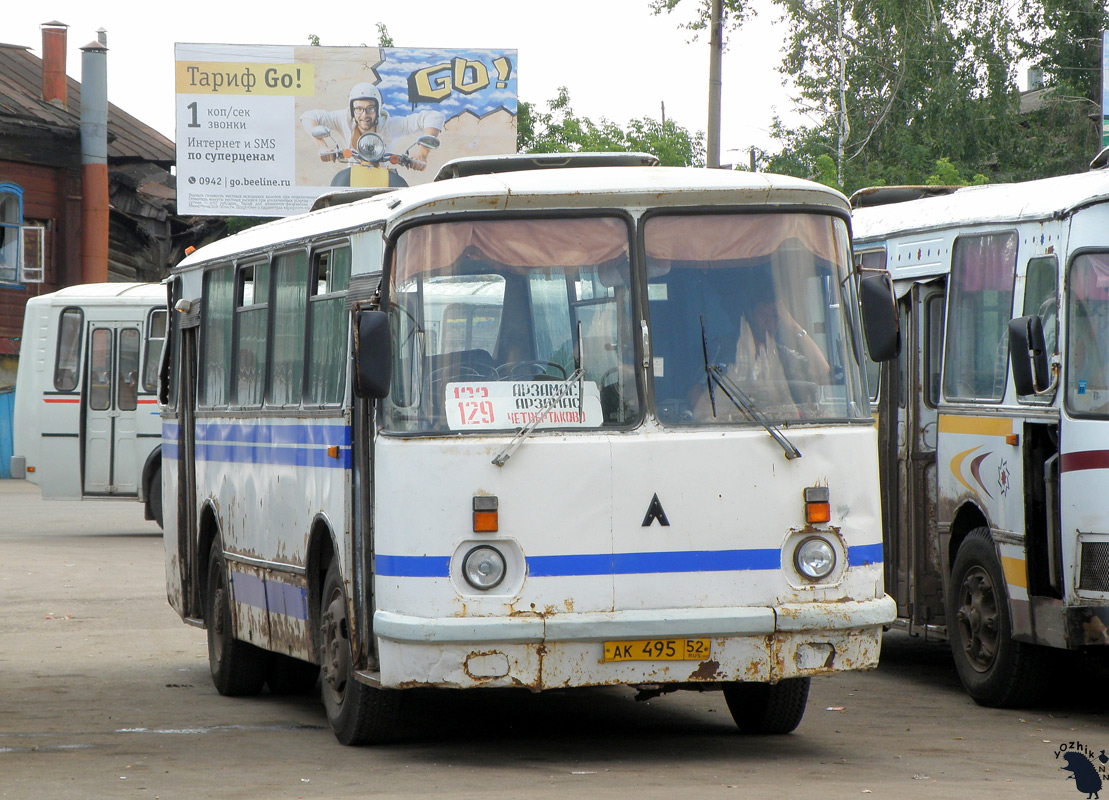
point(68, 357)
point(216, 343)
point(934, 354)
point(100, 370)
point(290, 306)
point(127, 367)
point(152, 350)
point(979, 310)
point(327, 340)
point(252, 319)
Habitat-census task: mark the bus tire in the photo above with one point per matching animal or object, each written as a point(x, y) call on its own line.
point(238, 668)
point(766, 708)
point(289, 676)
point(358, 714)
point(996, 670)
point(154, 496)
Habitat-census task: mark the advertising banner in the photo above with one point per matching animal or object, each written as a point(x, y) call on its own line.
point(263, 130)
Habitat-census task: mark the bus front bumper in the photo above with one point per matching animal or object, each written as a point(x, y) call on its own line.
point(762, 644)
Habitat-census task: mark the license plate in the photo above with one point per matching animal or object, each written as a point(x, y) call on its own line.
point(658, 650)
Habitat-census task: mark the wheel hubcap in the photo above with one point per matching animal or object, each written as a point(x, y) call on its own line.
point(978, 619)
point(335, 662)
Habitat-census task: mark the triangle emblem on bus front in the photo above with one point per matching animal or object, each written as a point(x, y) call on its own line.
point(654, 511)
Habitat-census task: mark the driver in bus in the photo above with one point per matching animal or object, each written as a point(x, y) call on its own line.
point(772, 350)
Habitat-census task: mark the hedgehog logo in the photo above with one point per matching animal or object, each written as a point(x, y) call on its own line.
point(1083, 773)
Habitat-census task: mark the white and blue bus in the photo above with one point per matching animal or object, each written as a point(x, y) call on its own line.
point(87, 423)
point(543, 428)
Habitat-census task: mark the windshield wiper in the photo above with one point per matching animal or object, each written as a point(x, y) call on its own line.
point(740, 399)
point(544, 410)
point(560, 391)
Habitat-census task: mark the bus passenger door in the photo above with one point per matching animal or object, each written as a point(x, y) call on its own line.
point(111, 403)
point(920, 566)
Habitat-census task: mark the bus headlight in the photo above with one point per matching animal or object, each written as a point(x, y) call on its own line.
point(483, 567)
point(814, 558)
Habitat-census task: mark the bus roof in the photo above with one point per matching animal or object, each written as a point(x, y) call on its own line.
point(105, 293)
point(981, 205)
point(535, 190)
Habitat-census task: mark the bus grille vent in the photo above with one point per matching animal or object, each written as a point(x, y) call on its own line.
point(1094, 576)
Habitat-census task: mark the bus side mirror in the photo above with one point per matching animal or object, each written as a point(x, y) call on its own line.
point(373, 354)
point(1028, 355)
point(880, 323)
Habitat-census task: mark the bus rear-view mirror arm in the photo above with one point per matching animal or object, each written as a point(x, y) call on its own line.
point(879, 311)
point(373, 354)
point(1032, 372)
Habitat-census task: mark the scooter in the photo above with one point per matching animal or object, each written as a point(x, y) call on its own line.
point(369, 163)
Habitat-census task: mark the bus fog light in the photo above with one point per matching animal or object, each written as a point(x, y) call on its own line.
point(814, 558)
point(483, 567)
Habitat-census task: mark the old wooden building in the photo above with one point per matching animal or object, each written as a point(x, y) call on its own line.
point(43, 197)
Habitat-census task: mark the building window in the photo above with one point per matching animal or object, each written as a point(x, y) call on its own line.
point(11, 224)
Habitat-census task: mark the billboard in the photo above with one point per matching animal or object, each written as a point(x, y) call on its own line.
point(263, 130)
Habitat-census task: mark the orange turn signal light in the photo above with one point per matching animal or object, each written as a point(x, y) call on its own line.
point(817, 506)
point(485, 514)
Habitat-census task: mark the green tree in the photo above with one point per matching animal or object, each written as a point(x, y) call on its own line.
point(560, 130)
point(1062, 39)
point(931, 83)
point(922, 83)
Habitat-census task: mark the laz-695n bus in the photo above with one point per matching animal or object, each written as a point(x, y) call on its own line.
point(541, 427)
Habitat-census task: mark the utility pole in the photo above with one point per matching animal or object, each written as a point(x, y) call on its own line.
point(716, 49)
point(844, 125)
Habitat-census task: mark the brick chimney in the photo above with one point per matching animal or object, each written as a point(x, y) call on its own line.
point(53, 63)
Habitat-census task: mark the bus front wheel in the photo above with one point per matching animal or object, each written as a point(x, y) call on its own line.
point(238, 668)
point(358, 714)
point(995, 669)
point(768, 708)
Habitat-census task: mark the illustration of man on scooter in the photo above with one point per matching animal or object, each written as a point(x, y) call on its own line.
point(368, 133)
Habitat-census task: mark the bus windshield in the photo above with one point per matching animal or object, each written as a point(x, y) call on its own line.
point(492, 318)
point(761, 300)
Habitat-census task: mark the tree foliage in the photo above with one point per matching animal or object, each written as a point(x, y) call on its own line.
point(931, 92)
point(560, 130)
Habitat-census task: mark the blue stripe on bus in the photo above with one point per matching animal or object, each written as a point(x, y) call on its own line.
point(295, 445)
point(274, 596)
point(620, 563)
point(864, 554)
point(247, 589)
point(247, 433)
point(262, 454)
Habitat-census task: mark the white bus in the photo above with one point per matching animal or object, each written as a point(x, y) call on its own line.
point(995, 462)
point(87, 423)
point(357, 395)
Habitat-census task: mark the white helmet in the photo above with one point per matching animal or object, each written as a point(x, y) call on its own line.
point(363, 91)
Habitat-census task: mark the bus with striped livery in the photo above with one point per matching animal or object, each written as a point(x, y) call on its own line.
point(87, 423)
point(544, 425)
point(993, 432)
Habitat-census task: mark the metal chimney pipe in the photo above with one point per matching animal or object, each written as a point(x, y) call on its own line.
point(53, 63)
point(94, 163)
point(716, 50)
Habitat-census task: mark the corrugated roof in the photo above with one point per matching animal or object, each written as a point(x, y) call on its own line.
point(21, 103)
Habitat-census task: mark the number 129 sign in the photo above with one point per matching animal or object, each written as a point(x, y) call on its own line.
point(514, 404)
